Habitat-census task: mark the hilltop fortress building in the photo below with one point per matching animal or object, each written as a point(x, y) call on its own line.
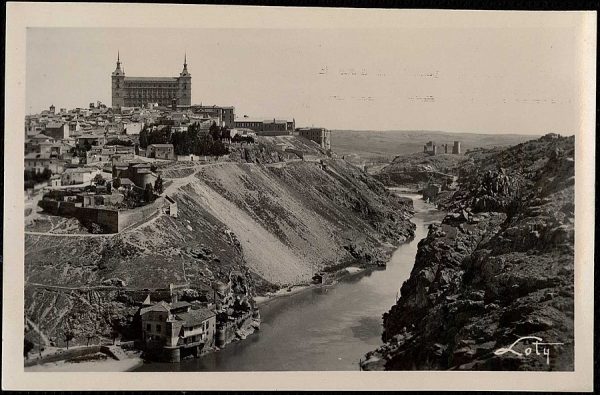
point(139, 91)
point(432, 149)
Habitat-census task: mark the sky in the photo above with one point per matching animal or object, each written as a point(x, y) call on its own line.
point(522, 79)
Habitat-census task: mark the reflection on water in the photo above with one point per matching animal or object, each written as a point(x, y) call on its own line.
point(321, 328)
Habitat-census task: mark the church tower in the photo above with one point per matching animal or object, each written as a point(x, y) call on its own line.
point(184, 91)
point(118, 82)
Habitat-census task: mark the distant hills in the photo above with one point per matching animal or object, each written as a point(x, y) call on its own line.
point(383, 146)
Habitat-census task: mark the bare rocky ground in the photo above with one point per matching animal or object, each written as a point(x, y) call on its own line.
point(498, 268)
point(278, 222)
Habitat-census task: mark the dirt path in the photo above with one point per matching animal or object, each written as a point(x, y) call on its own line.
point(87, 287)
point(177, 183)
point(70, 234)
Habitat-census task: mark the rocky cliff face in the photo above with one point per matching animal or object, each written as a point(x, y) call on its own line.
point(499, 267)
point(278, 222)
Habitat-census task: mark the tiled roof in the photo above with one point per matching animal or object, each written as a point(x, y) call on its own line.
point(160, 306)
point(41, 137)
point(179, 304)
point(78, 170)
point(157, 79)
point(195, 317)
point(249, 120)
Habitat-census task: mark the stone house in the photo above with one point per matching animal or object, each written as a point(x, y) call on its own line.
point(57, 130)
point(39, 162)
point(54, 181)
point(161, 151)
point(320, 136)
point(77, 175)
point(91, 140)
point(171, 331)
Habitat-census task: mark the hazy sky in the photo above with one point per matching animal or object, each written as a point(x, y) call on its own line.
point(488, 80)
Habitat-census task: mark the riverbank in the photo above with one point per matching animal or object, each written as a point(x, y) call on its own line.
point(350, 268)
point(331, 281)
point(95, 363)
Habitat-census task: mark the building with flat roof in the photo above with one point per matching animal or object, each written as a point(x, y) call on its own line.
point(140, 91)
point(266, 127)
point(225, 115)
point(57, 130)
point(161, 151)
point(320, 136)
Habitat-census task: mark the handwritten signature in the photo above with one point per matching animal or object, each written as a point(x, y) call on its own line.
point(540, 348)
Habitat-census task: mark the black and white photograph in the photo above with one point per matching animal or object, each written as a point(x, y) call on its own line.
point(255, 197)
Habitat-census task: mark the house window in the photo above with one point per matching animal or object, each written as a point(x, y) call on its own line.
point(148, 327)
point(158, 328)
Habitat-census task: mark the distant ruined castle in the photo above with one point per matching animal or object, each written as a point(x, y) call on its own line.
point(432, 149)
point(140, 91)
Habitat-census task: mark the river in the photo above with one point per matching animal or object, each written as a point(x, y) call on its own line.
point(317, 329)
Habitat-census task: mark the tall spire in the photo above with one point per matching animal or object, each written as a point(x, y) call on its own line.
point(185, 71)
point(118, 70)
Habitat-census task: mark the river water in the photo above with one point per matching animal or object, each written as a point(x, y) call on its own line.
point(320, 328)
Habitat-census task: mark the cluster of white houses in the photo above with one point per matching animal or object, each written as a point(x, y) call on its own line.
point(77, 144)
point(52, 139)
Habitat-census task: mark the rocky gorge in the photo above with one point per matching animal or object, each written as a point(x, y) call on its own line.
point(498, 272)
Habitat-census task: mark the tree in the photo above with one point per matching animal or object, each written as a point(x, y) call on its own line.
point(46, 174)
point(27, 348)
point(89, 337)
point(117, 141)
point(215, 131)
point(144, 137)
point(117, 182)
point(69, 335)
point(148, 193)
point(99, 180)
point(108, 188)
point(158, 186)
